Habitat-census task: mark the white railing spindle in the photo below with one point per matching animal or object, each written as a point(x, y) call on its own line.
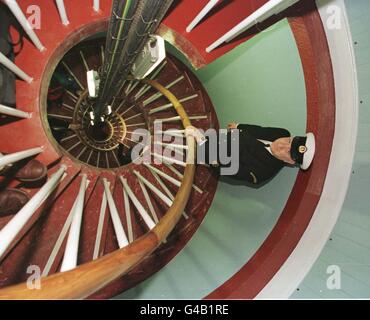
point(201, 14)
point(147, 219)
point(16, 10)
point(15, 225)
point(62, 12)
point(13, 68)
point(99, 232)
point(130, 230)
point(71, 250)
point(14, 112)
point(60, 240)
point(17, 156)
point(118, 228)
point(269, 9)
point(96, 5)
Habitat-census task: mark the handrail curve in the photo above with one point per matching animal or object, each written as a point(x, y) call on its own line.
point(90, 277)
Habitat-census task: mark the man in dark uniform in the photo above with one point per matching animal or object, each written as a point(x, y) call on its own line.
point(263, 151)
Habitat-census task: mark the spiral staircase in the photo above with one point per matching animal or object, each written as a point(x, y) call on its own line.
point(100, 224)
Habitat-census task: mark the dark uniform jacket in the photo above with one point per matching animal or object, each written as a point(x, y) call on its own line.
point(256, 164)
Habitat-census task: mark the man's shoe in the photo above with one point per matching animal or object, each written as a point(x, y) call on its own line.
point(34, 170)
point(11, 201)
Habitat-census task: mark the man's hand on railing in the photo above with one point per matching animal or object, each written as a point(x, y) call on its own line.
point(196, 134)
point(232, 125)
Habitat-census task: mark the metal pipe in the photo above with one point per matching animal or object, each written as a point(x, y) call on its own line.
point(269, 9)
point(17, 156)
point(62, 12)
point(13, 68)
point(14, 112)
point(15, 225)
point(71, 250)
point(118, 228)
point(147, 219)
point(16, 10)
point(201, 14)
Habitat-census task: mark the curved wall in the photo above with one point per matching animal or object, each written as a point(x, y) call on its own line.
point(348, 248)
point(259, 82)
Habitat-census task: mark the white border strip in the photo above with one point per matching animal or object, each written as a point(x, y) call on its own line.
point(299, 263)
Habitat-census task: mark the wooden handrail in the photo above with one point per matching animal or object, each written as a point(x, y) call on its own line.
point(88, 278)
